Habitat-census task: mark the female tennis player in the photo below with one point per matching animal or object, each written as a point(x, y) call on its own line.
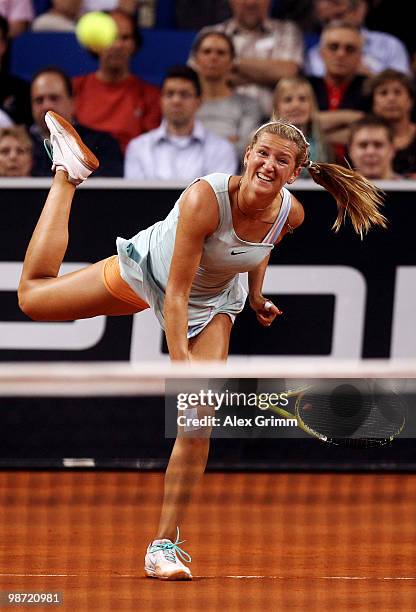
point(186, 268)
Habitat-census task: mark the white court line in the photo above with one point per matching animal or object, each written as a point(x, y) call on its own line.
point(249, 577)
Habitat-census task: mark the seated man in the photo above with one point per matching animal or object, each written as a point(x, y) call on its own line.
point(371, 148)
point(341, 88)
point(15, 152)
point(181, 149)
point(113, 99)
point(52, 90)
point(266, 49)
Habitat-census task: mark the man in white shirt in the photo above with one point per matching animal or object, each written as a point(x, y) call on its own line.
point(180, 149)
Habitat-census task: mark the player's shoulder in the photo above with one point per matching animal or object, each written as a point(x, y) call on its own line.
point(199, 207)
point(202, 187)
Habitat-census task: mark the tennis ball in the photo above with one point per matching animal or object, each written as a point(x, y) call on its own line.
point(96, 31)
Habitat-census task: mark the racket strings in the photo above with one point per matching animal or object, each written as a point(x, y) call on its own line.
point(352, 417)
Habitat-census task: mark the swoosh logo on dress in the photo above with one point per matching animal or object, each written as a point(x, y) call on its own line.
point(238, 252)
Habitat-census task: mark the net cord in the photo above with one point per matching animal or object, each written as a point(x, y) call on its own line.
point(149, 378)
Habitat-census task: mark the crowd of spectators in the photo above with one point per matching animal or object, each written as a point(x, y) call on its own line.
point(348, 87)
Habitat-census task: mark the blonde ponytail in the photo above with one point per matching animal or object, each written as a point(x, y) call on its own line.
point(355, 196)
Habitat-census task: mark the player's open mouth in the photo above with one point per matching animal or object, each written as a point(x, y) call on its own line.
point(263, 177)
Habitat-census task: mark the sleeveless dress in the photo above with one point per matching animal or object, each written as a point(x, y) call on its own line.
point(145, 261)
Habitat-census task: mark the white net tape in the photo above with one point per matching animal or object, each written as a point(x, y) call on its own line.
point(149, 378)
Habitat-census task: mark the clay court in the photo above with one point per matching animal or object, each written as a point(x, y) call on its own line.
point(259, 541)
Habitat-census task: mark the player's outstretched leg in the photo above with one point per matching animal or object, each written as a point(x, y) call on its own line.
point(43, 295)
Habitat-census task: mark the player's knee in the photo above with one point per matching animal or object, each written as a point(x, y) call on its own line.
point(29, 304)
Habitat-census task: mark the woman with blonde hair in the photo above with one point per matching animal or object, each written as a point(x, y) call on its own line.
point(186, 267)
point(294, 101)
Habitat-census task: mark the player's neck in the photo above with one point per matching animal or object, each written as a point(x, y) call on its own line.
point(250, 205)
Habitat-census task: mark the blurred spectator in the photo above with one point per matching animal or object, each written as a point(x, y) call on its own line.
point(14, 92)
point(371, 148)
point(181, 149)
point(113, 99)
point(61, 17)
point(294, 100)
point(380, 51)
point(392, 96)
point(15, 152)
point(266, 49)
point(195, 14)
point(19, 14)
point(341, 87)
point(228, 114)
point(52, 90)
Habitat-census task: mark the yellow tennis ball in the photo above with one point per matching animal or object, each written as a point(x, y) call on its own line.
point(96, 31)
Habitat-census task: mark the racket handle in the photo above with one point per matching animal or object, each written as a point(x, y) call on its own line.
point(268, 305)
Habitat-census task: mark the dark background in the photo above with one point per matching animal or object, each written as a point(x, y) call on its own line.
point(130, 431)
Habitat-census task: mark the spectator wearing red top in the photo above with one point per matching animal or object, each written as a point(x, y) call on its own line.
point(113, 99)
point(341, 87)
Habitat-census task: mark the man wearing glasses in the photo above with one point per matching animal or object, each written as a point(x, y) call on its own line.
point(341, 87)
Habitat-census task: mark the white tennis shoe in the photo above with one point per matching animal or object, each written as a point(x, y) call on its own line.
point(67, 151)
point(163, 560)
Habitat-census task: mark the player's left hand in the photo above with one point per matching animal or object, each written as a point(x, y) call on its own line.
point(265, 310)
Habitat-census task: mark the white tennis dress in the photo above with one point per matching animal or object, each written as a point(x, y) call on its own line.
point(145, 261)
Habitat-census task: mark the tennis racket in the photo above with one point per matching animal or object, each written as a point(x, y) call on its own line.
point(359, 414)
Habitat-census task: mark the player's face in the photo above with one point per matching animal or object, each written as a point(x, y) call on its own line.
point(179, 102)
point(48, 92)
point(250, 13)
point(15, 157)
point(372, 152)
point(295, 105)
point(118, 55)
point(392, 101)
point(341, 52)
point(271, 163)
point(213, 59)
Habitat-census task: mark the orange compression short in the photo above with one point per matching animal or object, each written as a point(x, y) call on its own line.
point(118, 287)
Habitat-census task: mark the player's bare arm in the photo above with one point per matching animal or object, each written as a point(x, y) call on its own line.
point(198, 218)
